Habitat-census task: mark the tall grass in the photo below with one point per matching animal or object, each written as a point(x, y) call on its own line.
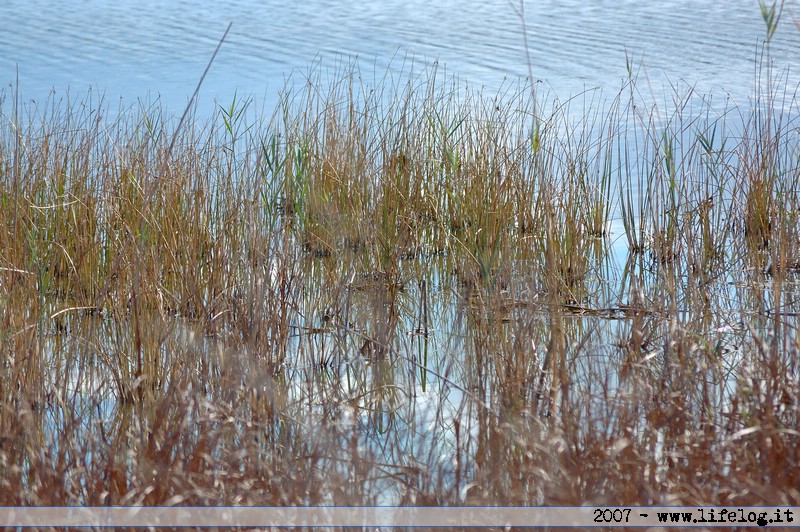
point(400, 291)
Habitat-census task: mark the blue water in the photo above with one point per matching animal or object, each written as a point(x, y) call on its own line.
point(149, 48)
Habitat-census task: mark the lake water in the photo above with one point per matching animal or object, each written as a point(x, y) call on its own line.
point(149, 48)
point(152, 49)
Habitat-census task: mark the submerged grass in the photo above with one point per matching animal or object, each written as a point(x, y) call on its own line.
point(402, 292)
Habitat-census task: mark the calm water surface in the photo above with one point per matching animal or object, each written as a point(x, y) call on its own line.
point(149, 48)
point(152, 49)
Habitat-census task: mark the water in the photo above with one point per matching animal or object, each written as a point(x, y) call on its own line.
point(159, 50)
point(150, 49)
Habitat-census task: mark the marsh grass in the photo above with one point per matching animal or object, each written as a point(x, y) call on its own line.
point(406, 291)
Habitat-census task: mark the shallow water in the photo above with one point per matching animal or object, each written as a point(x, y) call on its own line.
point(409, 409)
point(152, 49)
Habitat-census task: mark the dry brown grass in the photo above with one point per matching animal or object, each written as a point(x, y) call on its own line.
point(413, 294)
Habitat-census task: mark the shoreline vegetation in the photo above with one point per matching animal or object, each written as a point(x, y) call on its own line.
point(402, 293)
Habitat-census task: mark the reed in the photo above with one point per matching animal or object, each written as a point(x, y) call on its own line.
point(403, 292)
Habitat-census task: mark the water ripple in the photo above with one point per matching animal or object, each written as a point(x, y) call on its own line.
point(152, 46)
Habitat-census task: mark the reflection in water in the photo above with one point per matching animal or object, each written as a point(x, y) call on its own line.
point(423, 417)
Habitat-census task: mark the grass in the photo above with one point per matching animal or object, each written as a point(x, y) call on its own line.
point(403, 292)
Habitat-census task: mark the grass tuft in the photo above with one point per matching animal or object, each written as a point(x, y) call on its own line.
point(407, 291)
